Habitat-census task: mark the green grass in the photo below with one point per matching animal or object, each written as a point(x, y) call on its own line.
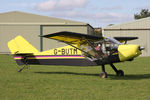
point(74, 83)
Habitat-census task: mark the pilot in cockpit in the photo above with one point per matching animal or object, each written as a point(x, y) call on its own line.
point(98, 48)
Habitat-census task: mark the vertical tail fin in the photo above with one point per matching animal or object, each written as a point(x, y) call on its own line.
point(20, 46)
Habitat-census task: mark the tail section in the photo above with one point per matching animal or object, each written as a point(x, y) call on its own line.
point(21, 46)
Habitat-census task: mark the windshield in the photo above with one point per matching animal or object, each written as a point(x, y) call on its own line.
point(108, 39)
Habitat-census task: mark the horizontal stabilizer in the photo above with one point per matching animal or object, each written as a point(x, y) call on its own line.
point(122, 39)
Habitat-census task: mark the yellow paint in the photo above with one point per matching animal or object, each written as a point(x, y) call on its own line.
point(68, 39)
point(66, 50)
point(127, 52)
point(20, 46)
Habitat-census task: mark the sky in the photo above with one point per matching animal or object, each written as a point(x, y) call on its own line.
point(98, 13)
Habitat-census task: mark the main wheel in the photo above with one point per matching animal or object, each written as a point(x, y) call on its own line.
point(103, 75)
point(120, 73)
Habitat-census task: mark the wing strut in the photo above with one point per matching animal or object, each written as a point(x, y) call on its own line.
point(79, 49)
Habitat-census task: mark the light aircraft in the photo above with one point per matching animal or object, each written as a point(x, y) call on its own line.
point(82, 50)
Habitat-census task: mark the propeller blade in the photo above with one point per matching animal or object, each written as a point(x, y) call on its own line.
point(141, 48)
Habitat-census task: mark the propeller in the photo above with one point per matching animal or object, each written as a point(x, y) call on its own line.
point(141, 48)
point(145, 46)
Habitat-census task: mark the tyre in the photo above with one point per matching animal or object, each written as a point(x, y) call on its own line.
point(103, 75)
point(120, 73)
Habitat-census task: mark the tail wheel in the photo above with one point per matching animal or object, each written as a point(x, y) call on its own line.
point(120, 73)
point(103, 75)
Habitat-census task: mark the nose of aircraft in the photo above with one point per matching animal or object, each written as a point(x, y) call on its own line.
point(127, 52)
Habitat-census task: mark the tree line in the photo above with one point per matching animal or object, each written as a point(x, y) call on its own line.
point(143, 14)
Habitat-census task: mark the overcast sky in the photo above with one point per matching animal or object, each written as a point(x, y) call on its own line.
point(98, 13)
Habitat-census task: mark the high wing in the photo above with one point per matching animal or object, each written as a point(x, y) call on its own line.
point(125, 39)
point(78, 39)
point(72, 37)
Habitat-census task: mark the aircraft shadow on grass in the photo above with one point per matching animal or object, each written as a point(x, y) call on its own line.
point(111, 76)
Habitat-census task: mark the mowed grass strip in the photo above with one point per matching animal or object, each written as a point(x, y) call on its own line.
point(74, 83)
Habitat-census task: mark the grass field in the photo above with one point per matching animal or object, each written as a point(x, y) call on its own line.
point(74, 83)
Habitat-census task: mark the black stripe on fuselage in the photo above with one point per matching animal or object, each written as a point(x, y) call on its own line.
point(69, 62)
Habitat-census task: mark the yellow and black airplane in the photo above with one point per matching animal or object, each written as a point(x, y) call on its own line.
point(82, 50)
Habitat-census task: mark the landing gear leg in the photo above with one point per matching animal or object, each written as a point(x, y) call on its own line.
point(26, 64)
point(118, 72)
point(103, 74)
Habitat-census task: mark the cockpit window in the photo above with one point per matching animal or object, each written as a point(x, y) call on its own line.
point(112, 40)
point(100, 49)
